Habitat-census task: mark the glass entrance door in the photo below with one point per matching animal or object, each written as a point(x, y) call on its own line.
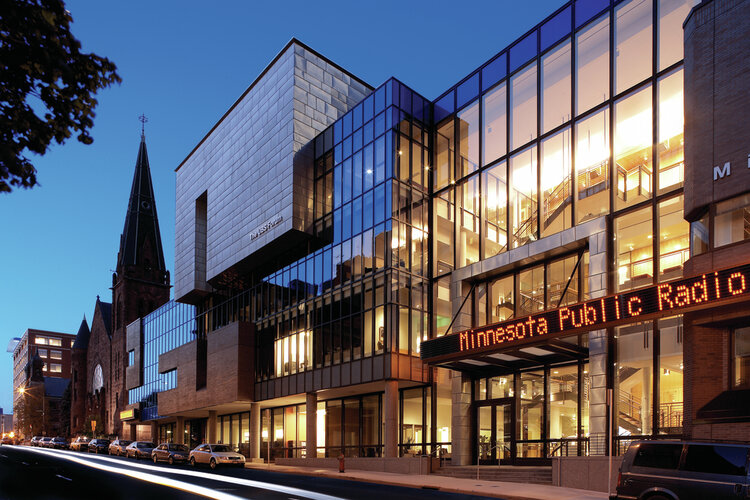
point(495, 433)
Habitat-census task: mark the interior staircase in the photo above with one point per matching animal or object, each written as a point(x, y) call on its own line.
point(509, 473)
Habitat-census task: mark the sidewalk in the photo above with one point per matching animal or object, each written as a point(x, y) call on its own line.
point(510, 491)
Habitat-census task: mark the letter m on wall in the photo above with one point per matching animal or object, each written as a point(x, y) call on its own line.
point(721, 172)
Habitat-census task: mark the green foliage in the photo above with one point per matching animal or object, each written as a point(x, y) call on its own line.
point(47, 85)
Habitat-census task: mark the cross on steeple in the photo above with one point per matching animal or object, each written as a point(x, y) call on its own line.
point(143, 121)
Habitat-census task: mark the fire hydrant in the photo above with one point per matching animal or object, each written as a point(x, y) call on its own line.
point(341, 463)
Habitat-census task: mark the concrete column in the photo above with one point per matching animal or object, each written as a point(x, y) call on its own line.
point(461, 428)
point(311, 425)
point(133, 428)
point(154, 432)
point(254, 430)
point(598, 417)
point(211, 432)
point(390, 416)
point(179, 430)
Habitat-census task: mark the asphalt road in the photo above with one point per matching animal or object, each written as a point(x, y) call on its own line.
point(34, 473)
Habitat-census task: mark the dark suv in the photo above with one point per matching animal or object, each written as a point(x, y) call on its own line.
point(99, 446)
point(678, 470)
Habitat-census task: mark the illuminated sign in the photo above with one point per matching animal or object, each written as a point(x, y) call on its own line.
point(646, 303)
point(127, 414)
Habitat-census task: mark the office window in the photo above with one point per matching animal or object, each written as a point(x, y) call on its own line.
point(41, 341)
point(556, 87)
point(523, 197)
point(633, 43)
point(444, 207)
point(561, 278)
point(670, 376)
point(468, 139)
point(563, 409)
point(530, 296)
point(501, 297)
point(592, 65)
point(635, 265)
point(55, 368)
point(523, 107)
point(42, 353)
point(495, 209)
point(592, 166)
point(557, 195)
point(674, 239)
point(494, 126)
point(670, 148)
point(55, 354)
point(699, 235)
point(468, 222)
point(634, 380)
point(732, 221)
point(442, 312)
point(444, 151)
point(633, 138)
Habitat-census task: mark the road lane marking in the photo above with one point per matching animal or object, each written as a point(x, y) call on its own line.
point(63, 477)
point(145, 476)
point(297, 492)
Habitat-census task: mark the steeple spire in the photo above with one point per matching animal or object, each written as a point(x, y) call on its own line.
point(140, 242)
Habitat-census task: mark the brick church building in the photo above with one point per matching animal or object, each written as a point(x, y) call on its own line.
point(140, 284)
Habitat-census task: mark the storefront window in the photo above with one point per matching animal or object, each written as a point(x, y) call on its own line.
point(670, 376)
point(370, 425)
point(351, 427)
point(563, 401)
point(592, 65)
point(556, 87)
point(674, 247)
point(523, 197)
point(634, 379)
point(635, 266)
point(741, 357)
point(532, 407)
point(500, 386)
point(523, 107)
point(333, 428)
point(592, 166)
point(443, 410)
point(633, 43)
point(495, 209)
point(494, 127)
point(557, 195)
point(633, 165)
point(670, 147)
point(412, 426)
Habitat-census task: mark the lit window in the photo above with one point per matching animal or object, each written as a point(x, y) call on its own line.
point(55, 354)
point(732, 221)
point(41, 341)
point(131, 358)
point(55, 368)
point(55, 342)
point(42, 353)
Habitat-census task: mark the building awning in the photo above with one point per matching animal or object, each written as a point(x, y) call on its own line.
point(727, 406)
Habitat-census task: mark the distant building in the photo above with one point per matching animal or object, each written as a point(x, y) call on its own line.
point(6, 422)
point(52, 347)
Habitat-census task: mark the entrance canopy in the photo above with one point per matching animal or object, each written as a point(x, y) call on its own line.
point(538, 336)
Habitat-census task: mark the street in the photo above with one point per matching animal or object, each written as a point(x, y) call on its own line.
point(36, 473)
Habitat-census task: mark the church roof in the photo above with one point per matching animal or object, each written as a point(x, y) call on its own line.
point(82, 337)
point(141, 220)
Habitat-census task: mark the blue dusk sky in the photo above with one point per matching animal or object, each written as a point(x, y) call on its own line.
point(184, 64)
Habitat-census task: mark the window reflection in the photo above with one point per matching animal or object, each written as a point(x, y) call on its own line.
point(670, 376)
point(674, 239)
point(633, 43)
point(523, 106)
point(468, 139)
point(502, 303)
point(634, 379)
point(523, 197)
point(468, 222)
point(672, 14)
point(444, 224)
point(530, 291)
point(494, 127)
point(557, 196)
point(635, 265)
point(444, 151)
point(563, 401)
point(592, 65)
point(495, 213)
point(671, 144)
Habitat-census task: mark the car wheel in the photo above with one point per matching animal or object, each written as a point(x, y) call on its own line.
point(156, 460)
point(192, 461)
point(171, 461)
point(212, 464)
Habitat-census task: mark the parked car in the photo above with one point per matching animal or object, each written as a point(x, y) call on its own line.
point(139, 449)
point(35, 440)
point(6, 440)
point(678, 470)
point(59, 443)
point(45, 442)
point(81, 443)
point(216, 454)
point(171, 453)
point(117, 447)
point(99, 446)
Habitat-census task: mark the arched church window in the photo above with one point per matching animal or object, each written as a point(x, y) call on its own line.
point(98, 382)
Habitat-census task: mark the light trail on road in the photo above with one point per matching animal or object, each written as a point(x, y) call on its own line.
point(280, 488)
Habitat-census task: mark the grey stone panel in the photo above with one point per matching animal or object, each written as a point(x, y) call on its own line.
point(250, 167)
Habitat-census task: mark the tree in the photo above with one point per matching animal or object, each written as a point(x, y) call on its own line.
point(65, 411)
point(47, 85)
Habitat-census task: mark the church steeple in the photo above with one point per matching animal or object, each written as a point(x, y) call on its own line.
point(140, 243)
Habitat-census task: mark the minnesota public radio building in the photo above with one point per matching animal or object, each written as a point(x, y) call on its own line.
point(363, 271)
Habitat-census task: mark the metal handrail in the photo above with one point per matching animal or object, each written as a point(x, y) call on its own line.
point(488, 452)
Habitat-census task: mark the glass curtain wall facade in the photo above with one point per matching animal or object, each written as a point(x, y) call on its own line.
point(580, 118)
